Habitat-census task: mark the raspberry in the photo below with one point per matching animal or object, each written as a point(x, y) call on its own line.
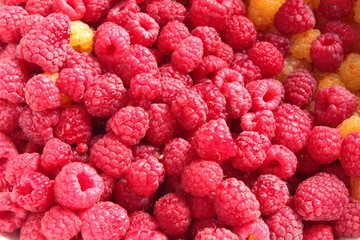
point(327, 52)
point(333, 105)
point(31, 230)
point(256, 229)
point(75, 10)
point(301, 44)
point(281, 42)
point(38, 43)
point(294, 17)
point(81, 37)
point(111, 156)
point(11, 19)
point(262, 122)
point(9, 116)
point(105, 95)
point(246, 67)
point(329, 79)
point(136, 59)
point(346, 225)
point(202, 208)
point(41, 7)
point(285, 224)
point(109, 186)
point(20, 164)
point(110, 42)
point(166, 11)
point(171, 35)
point(7, 148)
point(349, 71)
point(96, 10)
point(349, 125)
point(224, 51)
point(170, 89)
point(187, 54)
point(173, 214)
point(292, 127)
point(225, 76)
point(128, 199)
point(292, 63)
point(262, 12)
point(122, 11)
point(235, 204)
point(100, 214)
point(322, 197)
point(197, 226)
point(280, 161)
point(145, 234)
point(213, 141)
point(209, 37)
point(266, 94)
point(334, 9)
point(83, 60)
point(144, 88)
point(216, 233)
point(12, 215)
point(350, 157)
point(208, 65)
point(142, 29)
point(317, 232)
point(239, 33)
point(238, 99)
point(12, 2)
point(267, 57)
point(142, 220)
point(60, 223)
point(78, 186)
point(34, 192)
point(162, 125)
point(168, 71)
point(347, 34)
point(145, 150)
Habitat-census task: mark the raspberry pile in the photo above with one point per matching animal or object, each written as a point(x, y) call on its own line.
point(180, 119)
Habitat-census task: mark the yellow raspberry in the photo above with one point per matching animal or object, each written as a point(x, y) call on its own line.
point(292, 63)
point(301, 43)
point(81, 37)
point(355, 188)
point(352, 124)
point(329, 79)
point(65, 99)
point(349, 71)
point(356, 10)
point(262, 12)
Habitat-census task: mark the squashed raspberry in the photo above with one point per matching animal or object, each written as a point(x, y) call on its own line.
point(256, 229)
point(317, 232)
point(216, 233)
point(165, 11)
point(9, 116)
point(281, 42)
point(142, 220)
point(11, 19)
point(349, 155)
point(31, 230)
point(334, 9)
point(20, 164)
point(122, 11)
point(209, 37)
point(13, 216)
point(202, 208)
point(262, 122)
point(347, 224)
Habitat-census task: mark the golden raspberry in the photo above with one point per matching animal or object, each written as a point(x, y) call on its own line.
point(329, 79)
point(356, 10)
point(81, 37)
point(355, 187)
point(301, 43)
point(352, 124)
point(292, 63)
point(262, 12)
point(349, 71)
point(65, 99)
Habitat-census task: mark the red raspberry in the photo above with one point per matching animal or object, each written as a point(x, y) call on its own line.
point(166, 11)
point(11, 19)
point(111, 156)
point(322, 197)
point(200, 178)
point(336, 169)
point(136, 59)
point(168, 71)
point(235, 204)
point(216, 233)
point(105, 95)
point(109, 186)
point(202, 207)
point(208, 65)
point(262, 122)
point(306, 166)
point(123, 11)
point(142, 29)
point(213, 141)
point(286, 223)
point(31, 230)
point(170, 89)
point(251, 151)
point(171, 35)
point(225, 52)
point(333, 105)
point(173, 214)
point(239, 33)
point(12, 2)
point(187, 54)
point(162, 125)
point(78, 186)
point(238, 99)
point(267, 57)
point(41, 93)
point(75, 10)
point(12, 215)
point(73, 82)
point(128, 199)
point(256, 229)
point(142, 220)
point(346, 33)
point(145, 234)
point(159, 56)
point(198, 226)
point(294, 17)
point(266, 94)
point(327, 52)
point(7, 148)
point(110, 42)
point(41, 7)
point(145, 150)
point(60, 223)
point(300, 88)
point(346, 225)
point(96, 10)
point(292, 127)
point(144, 88)
point(324, 144)
point(20, 164)
point(100, 214)
point(318, 232)
point(209, 37)
point(34, 192)
point(9, 116)
point(225, 76)
point(246, 67)
point(47, 45)
point(281, 42)
point(83, 60)
point(349, 156)
point(334, 9)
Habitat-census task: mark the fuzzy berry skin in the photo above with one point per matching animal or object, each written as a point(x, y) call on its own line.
point(346, 33)
point(105, 95)
point(144, 88)
point(285, 224)
point(111, 156)
point(14, 216)
point(235, 204)
point(11, 19)
point(292, 127)
point(238, 99)
point(37, 45)
point(267, 57)
point(349, 156)
point(266, 94)
point(346, 225)
point(334, 9)
point(9, 116)
point(213, 141)
point(73, 9)
point(165, 11)
point(256, 229)
point(41, 7)
point(322, 197)
point(251, 151)
point(147, 234)
point(60, 223)
point(78, 186)
point(20, 164)
point(246, 67)
point(327, 52)
point(324, 144)
point(209, 37)
point(142, 220)
point(83, 60)
point(173, 214)
point(262, 122)
point(300, 88)
point(216, 233)
point(187, 54)
point(281, 42)
point(333, 105)
point(101, 214)
point(294, 17)
point(31, 230)
point(317, 232)
point(171, 35)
